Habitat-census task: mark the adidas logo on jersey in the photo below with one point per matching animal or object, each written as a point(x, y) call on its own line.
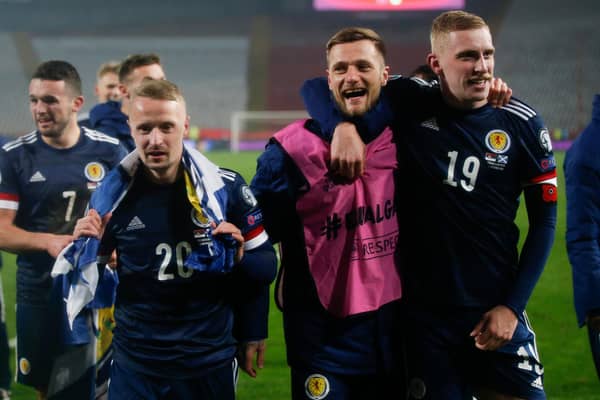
point(37, 177)
point(537, 383)
point(135, 224)
point(431, 124)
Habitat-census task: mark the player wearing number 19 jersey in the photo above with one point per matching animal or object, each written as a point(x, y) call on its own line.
point(463, 170)
point(462, 175)
point(47, 178)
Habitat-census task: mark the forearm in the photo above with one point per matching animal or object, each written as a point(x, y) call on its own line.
point(259, 265)
point(536, 249)
point(401, 99)
point(532, 261)
point(322, 108)
point(250, 293)
point(251, 313)
point(275, 186)
point(16, 240)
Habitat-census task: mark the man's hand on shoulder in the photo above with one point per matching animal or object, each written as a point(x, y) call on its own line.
point(499, 94)
point(347, 152)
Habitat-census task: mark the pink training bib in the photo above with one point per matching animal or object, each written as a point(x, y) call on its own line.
point(350, 229)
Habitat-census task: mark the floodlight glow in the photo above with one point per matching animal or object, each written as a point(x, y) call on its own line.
point(392, 5)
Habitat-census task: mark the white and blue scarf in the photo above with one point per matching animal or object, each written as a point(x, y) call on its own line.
point(77, 264)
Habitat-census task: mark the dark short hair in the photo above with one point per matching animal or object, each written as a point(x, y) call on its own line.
point(354, 34)
point(134, 61)
point(58, 70)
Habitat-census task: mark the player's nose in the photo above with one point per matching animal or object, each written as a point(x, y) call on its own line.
point(156, 136)
point(352, 75)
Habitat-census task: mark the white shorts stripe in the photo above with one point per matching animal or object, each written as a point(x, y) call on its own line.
point(236, 373)
point(530, 329)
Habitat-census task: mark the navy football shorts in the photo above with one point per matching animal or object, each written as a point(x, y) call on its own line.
point(37, 339)
point(444, 363)
point(63, 371)
point(315, 384)
point(131, 385)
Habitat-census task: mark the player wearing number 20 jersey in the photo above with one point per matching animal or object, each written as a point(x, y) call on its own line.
point(173, 322)
point(49, 188)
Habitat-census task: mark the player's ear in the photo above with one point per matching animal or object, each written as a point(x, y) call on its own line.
point(434, 63)
point(385, 75)
point(328, 78)
point(186, 127)
point(123, 90)
point(77, 103)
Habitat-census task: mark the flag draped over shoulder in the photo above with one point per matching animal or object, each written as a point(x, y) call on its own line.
point(77, 264)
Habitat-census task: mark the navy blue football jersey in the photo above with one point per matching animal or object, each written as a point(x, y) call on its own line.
point(172, 321)
point(462, 174)
point(50, 188)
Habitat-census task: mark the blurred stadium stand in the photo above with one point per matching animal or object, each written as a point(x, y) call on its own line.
point(551, 55)
point(254, 54)
point(14, 113)
point(210, 71)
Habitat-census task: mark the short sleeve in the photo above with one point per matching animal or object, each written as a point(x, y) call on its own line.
point(537, 163)
point(9, 188)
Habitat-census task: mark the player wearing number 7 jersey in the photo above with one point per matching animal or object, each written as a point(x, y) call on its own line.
point(47, 178)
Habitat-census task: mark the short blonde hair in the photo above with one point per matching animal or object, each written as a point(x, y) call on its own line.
point(158, 90)
point(452, 21)
point(109, 67)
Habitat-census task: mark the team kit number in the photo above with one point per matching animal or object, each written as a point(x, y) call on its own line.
point(70, 195)
point(526, 363)
point(470, 169)
point(182, 250)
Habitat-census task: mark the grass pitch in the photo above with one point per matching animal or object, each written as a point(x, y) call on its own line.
point(563, 347)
